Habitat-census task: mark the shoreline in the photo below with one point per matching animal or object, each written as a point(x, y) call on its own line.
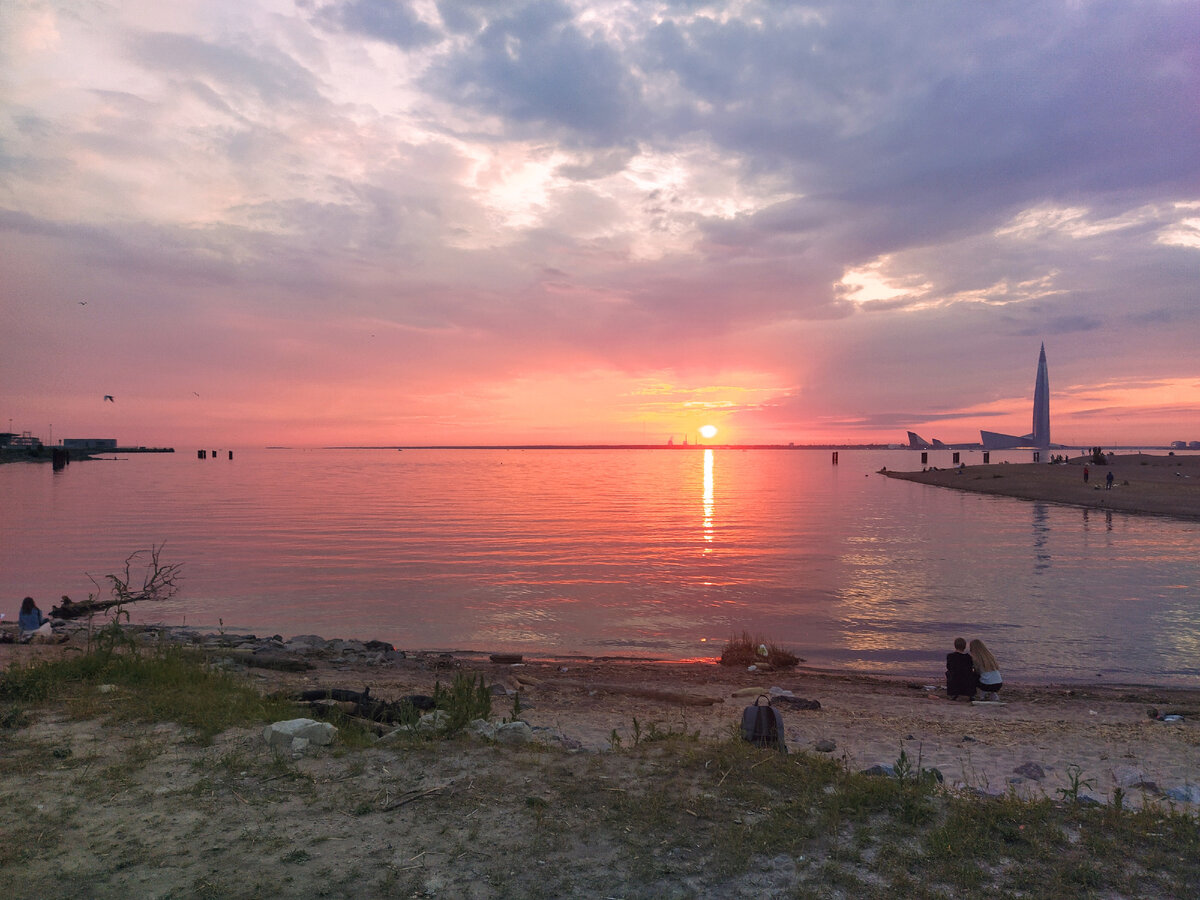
point(1143, 484)
point(1116, 733)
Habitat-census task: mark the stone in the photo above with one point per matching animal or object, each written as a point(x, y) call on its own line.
point(481, 728)
point(1188, 793)
point(825, 746)
point(1030, 770)
point(281, 734)
point(1129, 776)
point(433, 721)
point(307, 642)
point(878, 770)
point(299, 746)
point(514, 733)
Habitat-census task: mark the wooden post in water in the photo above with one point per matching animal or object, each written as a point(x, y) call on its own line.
point(835, 458)
point(987, 457)
point(924, 457)
point(231, 454)
point(956, 457)
point(201, 454)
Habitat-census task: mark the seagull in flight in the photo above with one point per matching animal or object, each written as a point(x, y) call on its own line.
point(109, 398)
point(83, 303)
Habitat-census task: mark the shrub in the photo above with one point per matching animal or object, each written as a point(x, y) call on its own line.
point(747, 651)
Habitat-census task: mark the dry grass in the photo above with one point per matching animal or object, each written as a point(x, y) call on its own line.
point(747, 651)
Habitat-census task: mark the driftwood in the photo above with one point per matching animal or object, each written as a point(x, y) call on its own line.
point(634, 691)
point(78, 609)
point(364, 706)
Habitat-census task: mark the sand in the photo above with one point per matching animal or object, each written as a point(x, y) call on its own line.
point(143, 810)
point(1142, 483)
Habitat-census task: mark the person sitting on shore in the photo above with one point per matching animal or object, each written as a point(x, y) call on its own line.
point(30, 620)
point(960, 672)
point(987, 677)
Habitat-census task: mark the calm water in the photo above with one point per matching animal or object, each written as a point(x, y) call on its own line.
point(621, 553)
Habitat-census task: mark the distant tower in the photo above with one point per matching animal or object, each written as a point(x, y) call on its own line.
point(1041, 404)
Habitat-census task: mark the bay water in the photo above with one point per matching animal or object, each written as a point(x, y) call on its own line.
point(621, 553)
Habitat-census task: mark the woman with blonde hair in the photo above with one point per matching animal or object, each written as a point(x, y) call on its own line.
point(987, 670)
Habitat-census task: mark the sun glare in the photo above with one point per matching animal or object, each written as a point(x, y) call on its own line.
point(708, 431)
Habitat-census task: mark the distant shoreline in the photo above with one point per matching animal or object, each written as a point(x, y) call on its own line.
point(1144, 484)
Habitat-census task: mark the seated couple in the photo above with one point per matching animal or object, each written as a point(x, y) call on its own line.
point(967, 673)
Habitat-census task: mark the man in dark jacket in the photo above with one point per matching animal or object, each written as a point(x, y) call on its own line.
point(960, 676)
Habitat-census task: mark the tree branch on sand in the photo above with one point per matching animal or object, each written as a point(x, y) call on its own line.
point(159, 581)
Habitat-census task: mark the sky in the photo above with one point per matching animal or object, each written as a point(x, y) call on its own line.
point(379, 222)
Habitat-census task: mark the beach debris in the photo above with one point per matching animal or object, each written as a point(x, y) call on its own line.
point(1030, 770)
point(746, 692)
point(795, 702)
point(522, 678)
point(825, 745)
point(507, 659)
point(296, 735)
point(775, 691)
point(1164, 716)
point(751, 668)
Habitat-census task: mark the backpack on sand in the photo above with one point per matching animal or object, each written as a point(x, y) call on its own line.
point(763, 726)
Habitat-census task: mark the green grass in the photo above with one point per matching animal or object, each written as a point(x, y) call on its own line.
point(664, 815)
point(163, 684)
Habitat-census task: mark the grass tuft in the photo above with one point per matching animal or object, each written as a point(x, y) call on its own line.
point(162, 684)
point(747, 651)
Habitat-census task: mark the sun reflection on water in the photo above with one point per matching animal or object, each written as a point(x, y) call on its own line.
point(708, 500)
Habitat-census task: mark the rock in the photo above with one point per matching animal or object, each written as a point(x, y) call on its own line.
point(310, 642)
point(967, 739)
point(1030, 770)
point(299, 745)
point(825, 746)
point(1129, 776)
point(283, 734)
point(106, 688)
point(481, 728)
point(1188, 793)
point(877, 770)
point(514, 733)
point(499, 690)
point(433, 721)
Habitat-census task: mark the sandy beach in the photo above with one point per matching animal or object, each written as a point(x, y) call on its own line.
point(146, 810)
point(1142, 483)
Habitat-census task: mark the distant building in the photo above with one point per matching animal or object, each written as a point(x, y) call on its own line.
point(1039, 438)
point(1194, 445)
point(1179, 445)
point(90, 443)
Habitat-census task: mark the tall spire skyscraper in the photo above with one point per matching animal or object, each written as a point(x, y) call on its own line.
point(1041, 404)
point(1039, 438)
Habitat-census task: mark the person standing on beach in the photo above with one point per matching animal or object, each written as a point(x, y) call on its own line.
point(987, 671)
point(960, 672)
point(1085, 474)
point(1108, 480)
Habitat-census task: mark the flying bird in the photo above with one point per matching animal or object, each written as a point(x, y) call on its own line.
point(83, 303)
point(109, 398)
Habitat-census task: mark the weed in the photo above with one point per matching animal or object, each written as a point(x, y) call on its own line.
point(467, 699)
point(748, 651)
point(1076, 783)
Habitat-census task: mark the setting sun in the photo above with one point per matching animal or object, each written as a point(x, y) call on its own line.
point(708, 431)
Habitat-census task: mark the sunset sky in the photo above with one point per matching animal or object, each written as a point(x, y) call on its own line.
point(385, 222)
